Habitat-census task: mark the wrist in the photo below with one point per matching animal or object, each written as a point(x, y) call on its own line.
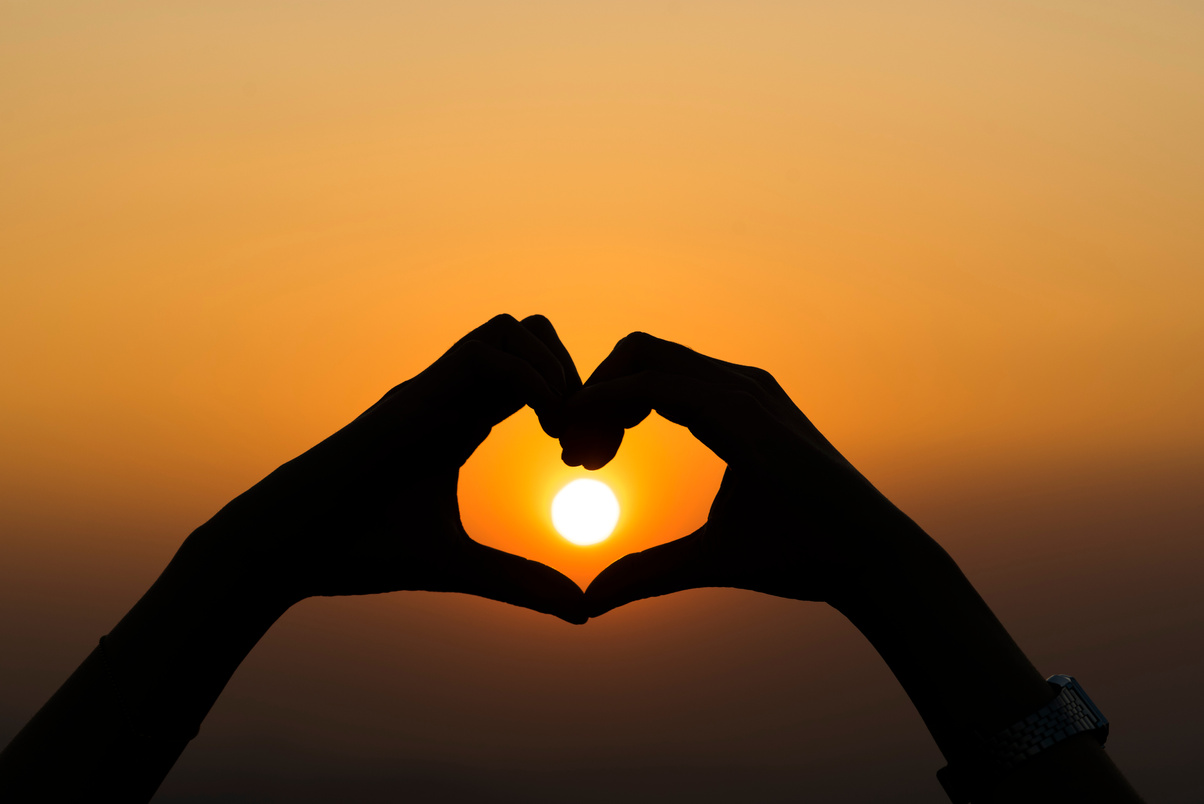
point(943, 642)
point(891, 559)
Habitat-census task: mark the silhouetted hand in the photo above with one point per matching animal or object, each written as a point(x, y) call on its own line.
point(792, 517)
point(373, 507)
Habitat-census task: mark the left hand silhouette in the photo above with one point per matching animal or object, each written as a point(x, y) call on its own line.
point(373, 508)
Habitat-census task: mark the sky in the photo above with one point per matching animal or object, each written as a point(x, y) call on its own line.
point(965, 237)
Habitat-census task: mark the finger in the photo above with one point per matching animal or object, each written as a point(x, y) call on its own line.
point(732, 423)
point(591, 444)
point(484, 385)
point(507, 334)
point(508, 578)
point(531, 341)
point(542, 328)
point(593, 441)
point(661, 570)
point(640, 351)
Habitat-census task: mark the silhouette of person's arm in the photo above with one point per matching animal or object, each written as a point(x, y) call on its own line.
point(371, 509)
point(793, 518)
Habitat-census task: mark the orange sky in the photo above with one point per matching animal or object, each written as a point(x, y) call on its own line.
point(964, 236)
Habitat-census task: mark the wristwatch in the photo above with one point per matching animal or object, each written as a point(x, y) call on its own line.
point(1070, 712)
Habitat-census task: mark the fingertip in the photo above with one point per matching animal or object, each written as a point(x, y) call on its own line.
point(661, 570)
point(591, 449)
point(579, 617)
point(595, 462)
point(601, 595)
point(552, 422)
point(596, 608)
point(571, 606)
point(543, 329)
point(571, 610)
point(560, 587)
point(568, 455)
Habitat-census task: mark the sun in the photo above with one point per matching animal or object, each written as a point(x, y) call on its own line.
point(585, 511)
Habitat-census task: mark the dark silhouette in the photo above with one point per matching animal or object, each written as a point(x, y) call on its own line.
point(373, 509)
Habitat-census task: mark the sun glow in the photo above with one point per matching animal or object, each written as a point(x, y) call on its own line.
point(585, 511)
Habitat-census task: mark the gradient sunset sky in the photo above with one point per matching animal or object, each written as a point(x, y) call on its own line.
point(967, 238)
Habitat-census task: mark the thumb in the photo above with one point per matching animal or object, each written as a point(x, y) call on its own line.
point(661, 570)
point(505, 577)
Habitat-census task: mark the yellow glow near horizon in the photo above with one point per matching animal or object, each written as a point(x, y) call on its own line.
point(585, 511)
point(870, 201)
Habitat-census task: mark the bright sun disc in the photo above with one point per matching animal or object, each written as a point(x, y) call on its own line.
point(585, 511)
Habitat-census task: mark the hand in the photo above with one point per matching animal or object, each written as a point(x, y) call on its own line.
point(373, 508)
point(792, 517)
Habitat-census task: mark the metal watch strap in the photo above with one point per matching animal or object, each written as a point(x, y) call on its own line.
point(1070, 712)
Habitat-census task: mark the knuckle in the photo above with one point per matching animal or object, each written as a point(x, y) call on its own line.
point(474, 348)
point(475, 355)
point(636, 342)
point(637, 338)
point(537, 321)
point(762, 377)
point(502, 321)
point(759, 374)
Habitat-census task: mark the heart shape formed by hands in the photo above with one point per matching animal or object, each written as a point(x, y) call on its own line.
point(375, 507)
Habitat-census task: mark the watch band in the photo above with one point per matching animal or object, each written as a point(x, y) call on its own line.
point(1070, 712)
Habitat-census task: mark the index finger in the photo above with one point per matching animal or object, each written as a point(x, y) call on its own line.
point(726, 406)
point(542, 328)
point(731, 422)
point(639, 351)
point(533, 343)
point(508, 334)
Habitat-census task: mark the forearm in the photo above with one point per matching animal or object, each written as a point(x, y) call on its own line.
point(966, 674)
point(122, 719)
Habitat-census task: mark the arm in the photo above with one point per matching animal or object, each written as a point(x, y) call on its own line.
point(965, 674)
point(371, 509)
point(123, 718)
point(793, 518)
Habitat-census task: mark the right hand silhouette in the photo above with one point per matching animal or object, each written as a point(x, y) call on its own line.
point(792, 517)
